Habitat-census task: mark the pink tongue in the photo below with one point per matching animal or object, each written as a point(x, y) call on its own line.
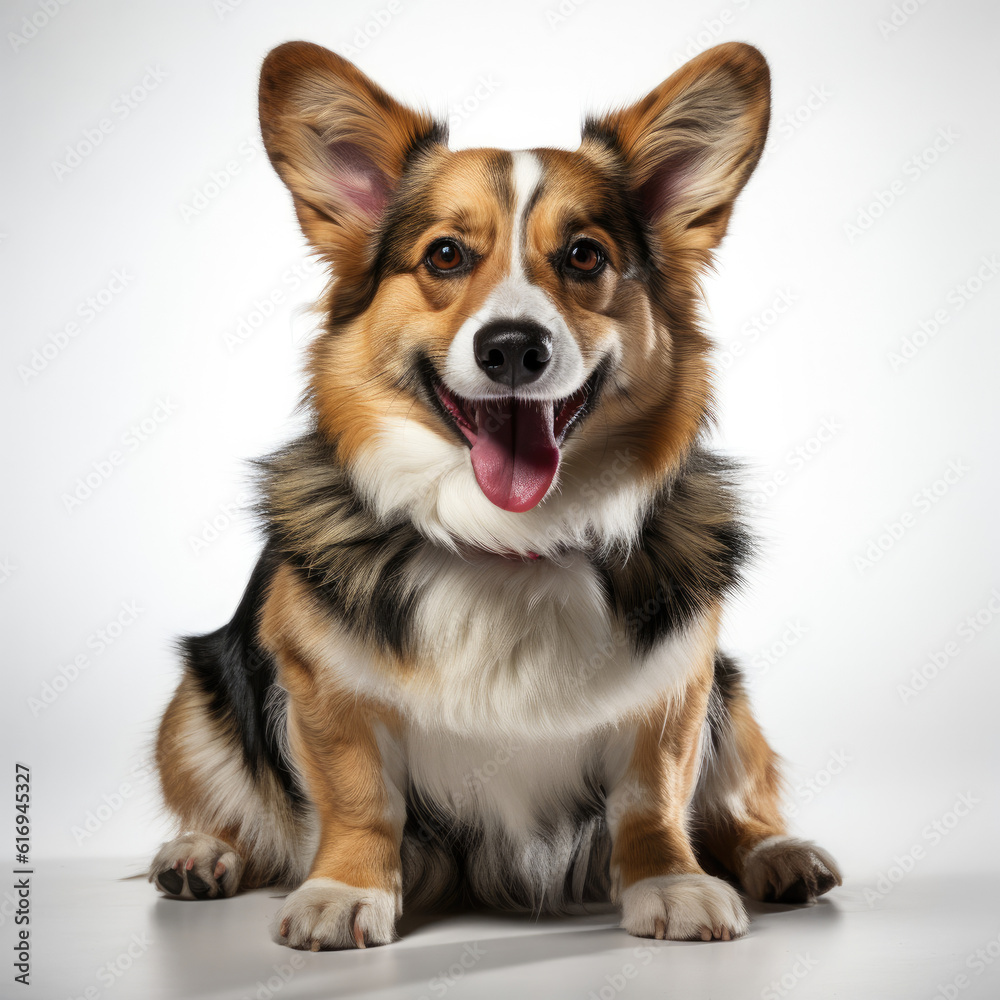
point(515, 455)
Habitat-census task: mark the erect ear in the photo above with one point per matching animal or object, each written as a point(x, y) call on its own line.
point(339, 142)
point(689, 146)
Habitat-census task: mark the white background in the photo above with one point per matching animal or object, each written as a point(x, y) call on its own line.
point(859, 103)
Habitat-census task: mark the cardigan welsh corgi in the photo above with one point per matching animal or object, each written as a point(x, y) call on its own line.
point(478, 659)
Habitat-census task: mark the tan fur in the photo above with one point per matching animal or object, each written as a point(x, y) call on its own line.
point(311, 100)
point(730, 836)
point(653, 838)
point(331, 735)
point(707, 123)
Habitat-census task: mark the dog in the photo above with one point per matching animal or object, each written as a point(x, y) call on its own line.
point(477, 662)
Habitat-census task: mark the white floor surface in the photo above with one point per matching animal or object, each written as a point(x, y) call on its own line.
point(97, 936)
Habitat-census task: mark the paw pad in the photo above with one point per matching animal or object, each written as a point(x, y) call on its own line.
point(196, 866)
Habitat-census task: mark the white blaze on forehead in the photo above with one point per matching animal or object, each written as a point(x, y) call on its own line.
point(527, 175)
point(515, 297)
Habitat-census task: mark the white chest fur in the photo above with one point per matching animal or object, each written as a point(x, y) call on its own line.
point(518, 784)
point(515, 650)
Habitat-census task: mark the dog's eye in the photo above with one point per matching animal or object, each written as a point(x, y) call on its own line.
point(585, 257)
point(444, 255)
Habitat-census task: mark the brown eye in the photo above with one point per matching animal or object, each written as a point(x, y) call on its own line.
point(585, 257)
point(444, 255)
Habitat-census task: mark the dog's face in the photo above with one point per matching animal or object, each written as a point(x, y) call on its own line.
point(505, 328)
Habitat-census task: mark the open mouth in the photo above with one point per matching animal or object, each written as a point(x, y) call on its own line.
point(515, 442)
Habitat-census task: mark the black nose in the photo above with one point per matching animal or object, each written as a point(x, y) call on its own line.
point(514, 352)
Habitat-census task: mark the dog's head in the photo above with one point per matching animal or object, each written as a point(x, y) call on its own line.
point(511, 355)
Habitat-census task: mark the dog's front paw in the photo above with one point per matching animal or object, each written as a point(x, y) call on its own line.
point(324, 914)
point(788, 870)
point(683, 908)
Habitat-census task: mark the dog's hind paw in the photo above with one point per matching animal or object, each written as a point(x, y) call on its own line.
point(788, 870)
point(196, 866)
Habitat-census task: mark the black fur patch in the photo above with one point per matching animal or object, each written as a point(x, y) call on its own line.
point(436, 135)
point(351, 558)
point(688, 556)
point(727, 683)
point(728, 678)
point(622, 211)
point(452, 862)
point(237, 673)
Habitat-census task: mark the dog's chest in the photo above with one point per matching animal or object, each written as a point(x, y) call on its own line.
point(509, 650)
point(500, 638)
point(527, 650)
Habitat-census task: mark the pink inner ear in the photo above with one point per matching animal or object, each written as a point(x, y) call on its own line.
point(355, 180)
point(668, 185)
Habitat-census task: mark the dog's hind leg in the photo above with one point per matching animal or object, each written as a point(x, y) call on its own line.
point(238, 830)
point(738, 804)
point(224, 768)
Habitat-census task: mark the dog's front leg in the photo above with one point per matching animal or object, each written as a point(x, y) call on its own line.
point(656, 878)
point(353, 895)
